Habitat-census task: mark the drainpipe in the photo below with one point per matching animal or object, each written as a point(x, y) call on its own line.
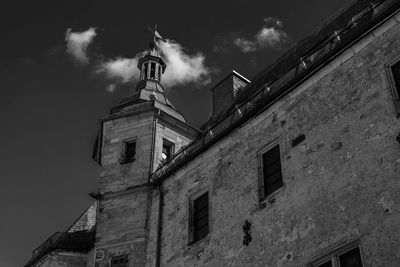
point(153, 143)
point(159, 224)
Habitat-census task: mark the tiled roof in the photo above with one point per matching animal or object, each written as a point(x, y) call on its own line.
point(87, 221)
point(300, 62)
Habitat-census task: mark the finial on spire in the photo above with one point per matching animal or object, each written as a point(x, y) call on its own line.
point(156, 34)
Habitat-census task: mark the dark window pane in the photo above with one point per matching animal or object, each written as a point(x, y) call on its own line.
point(396, 74)
point(272, 171)
point(145, 71)
point(272, 188)
point(326, 264)
point(152, 70)
point(351, 258)
point(130, 151)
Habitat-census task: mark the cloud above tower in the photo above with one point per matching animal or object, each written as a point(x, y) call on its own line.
point(78, 43)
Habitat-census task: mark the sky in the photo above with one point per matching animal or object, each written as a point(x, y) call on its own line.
point(64, 64)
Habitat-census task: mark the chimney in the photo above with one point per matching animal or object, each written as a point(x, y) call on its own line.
point(225, 92)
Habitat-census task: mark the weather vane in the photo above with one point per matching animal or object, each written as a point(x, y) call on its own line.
point(156, 35)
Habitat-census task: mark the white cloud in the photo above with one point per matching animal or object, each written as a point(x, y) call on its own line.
point(270, 37)
point(78, 42)
point(183, 68)
point(245, 45)
point(121, 69)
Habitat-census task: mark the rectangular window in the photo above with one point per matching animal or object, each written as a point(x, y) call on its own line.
point(129, 152)
point(198, 223)
point(271, 171)
point(152, 70)
point(393, 72)
point(348, 256)
point(145, 71)
point(119, 261)
point(167, 150)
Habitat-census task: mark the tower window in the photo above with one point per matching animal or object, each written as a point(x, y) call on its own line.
point(198, 223)
point(152, 70)
point(271, 172)
point(159, 73)
point(145, 71)
point(167, 150)
point(348, 256)
point(129, 152)
point(119, 261)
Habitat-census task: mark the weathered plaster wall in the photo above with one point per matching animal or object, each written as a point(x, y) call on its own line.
point(341, 183)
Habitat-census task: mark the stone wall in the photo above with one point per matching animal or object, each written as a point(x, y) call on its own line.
point(340, 184)
point(115, 176)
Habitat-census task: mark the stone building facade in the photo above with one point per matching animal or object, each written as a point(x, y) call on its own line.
point(299, 167)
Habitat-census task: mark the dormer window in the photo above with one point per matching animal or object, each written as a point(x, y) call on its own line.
point(152, 70)
point(167, 150)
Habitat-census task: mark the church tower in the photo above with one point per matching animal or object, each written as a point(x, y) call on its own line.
point(139, 134)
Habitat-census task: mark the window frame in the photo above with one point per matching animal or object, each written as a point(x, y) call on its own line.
point(191, 229)
point(123, 158)
point(334, 254)
point(261, 181)
point(171, 146)
point(392, 83)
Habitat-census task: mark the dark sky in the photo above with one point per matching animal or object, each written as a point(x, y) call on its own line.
point(50, 105)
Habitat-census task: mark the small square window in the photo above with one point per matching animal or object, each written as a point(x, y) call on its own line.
point(198, 222)
point(129, 152)
point(167, 150)
point(345, 256)
point(119, 261)
point(271, 171)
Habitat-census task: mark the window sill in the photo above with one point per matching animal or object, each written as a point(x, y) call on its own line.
point(197, 248)
point(127, 162)
point(268, 200)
